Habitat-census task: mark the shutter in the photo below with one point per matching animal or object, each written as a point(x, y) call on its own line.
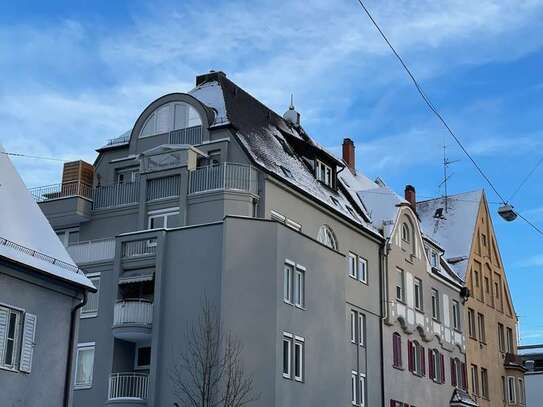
point(442, 368)
point(453, 373)
point(464, 381)
point(3, 329)
point(27, 345)
point(423, 361)
point(431, 373)
point(410, 355)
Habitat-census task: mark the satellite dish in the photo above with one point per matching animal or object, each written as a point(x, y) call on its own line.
point(506, 212)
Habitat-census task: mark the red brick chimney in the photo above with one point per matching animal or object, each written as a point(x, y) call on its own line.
point(348, 154)
point(411, 197)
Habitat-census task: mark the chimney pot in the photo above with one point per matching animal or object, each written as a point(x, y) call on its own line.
point(349, 155)
point(411, 196)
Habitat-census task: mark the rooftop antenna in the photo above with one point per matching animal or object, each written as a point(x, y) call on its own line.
point(446, 176)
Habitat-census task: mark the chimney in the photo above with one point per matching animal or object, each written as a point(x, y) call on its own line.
point(411, 197)
point(348, 154)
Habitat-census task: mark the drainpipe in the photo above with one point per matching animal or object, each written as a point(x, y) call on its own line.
point(73, 322)
point(382, 308)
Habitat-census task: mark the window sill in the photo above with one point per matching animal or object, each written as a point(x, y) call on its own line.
point(300, 307)
point(398, 368)
point(436, 320)
point(89, 315)
point(83, 387)
point(9, 369)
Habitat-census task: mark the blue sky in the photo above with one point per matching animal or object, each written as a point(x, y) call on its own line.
point(75, 73)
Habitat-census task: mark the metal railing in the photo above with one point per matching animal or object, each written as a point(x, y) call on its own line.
point(64, 190)
point(92, 250)
point(133, 311)
point(162, 161)
point(40, 256)
point(163, 187)
point(116, 195)
point(228, 176)
point(138, 248)
point(190, 135)
point(130, 385)
point(118, 140)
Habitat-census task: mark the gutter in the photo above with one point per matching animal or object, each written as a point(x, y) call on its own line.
point(73, 323)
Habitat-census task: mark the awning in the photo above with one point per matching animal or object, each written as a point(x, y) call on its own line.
point(136, 276)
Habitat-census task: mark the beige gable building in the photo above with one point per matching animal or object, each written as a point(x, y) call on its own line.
point(463, 226)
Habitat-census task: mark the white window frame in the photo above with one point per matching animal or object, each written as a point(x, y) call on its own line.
point(17, 338)
point(287, 339)
point(362, 392)
point(93, 277)
point(521, 392)
point(434, 259)
point(357, 267)
point(170, 106)
point(417, 294)
point(299, 343)
point(353, 325)
point(299, 286)
point(295, 346)
point(324, 173)
point(64, 235)
point(361, 329)
point(83, 347)
point(288, 273)
point(402, 286)
point(456, 315)
point(511, 396)
point(354, 388)
point(358, 388)
point(352, 265)
point(162, 213)
point(436, 312)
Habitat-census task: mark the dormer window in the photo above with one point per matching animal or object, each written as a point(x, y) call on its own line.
point(169, 117)
point(324, 173)
point(434, 259)
point(406, 234)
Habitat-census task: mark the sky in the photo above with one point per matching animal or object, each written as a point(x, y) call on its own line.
point(76, 73)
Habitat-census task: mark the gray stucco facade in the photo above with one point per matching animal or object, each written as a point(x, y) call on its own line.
point(198, 212)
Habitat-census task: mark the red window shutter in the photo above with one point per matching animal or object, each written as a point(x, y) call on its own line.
point(410, 355)
point(442, 368)
point(431, 364)
point(395, 357)
point(399, 340)
point(453, 373)
point(422, 361)
point(392, 403)
point(464, 381)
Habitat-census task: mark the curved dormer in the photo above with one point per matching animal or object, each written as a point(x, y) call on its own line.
point(176, 118)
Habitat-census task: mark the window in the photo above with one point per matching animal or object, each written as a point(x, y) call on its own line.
point(358, 267)
point(504, 388)
point(164, 218)
point(324, 173)
point(456, 315)
point(471, 323)
point(418, 294)
point(434, 260)
point(171, 116)
point(10, 337)
point(474, 380)
point(484, 383)
point(521, 392)
point(143, 357)
point(436, 366)
point(84, 365)
point(91, 307)
point(68, 237)
point(294, 284)
point(509, 340)
point(400, 292)
point(358, 328)
point(487, 285)
point(127, 175)
point(511, 390)
point(501, 337)
point(326, 236)
point(396, 350)
point(481, 323)
point(293, 357)
point(286, 172)
point(406, 234)
point(476, 278)
point(358, 389)
point(458, 377)
point(435, 304)
point(483, 239)
point(417, 363)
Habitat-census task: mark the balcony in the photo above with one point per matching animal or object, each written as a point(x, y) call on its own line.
point(116, 195)
point(139, 248)
point(190, 135)
point(128, 389)
point(133, 319)
point(227, 176)
point(92, 251)
point(59, 191)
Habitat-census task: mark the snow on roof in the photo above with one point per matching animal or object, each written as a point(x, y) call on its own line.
point(383, 205)
point(452, 229)
point(23, 223)
point(211, 94)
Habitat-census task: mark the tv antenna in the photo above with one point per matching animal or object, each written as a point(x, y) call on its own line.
point(446, 175)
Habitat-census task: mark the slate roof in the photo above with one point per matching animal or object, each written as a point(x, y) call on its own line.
point(452, 229)
point(269, 139)
point(461, 398)
point(23, 226)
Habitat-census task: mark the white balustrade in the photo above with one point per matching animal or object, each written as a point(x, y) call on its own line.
point(137, 311)
point(130, 385)
point(92, 250)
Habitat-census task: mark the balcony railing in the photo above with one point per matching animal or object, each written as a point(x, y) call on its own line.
point(128, 386)
point(64, 190)
point(133, 312)
point(163, 187)
point(118, 140)
point(190, 135)
point(227, 176)
point(139, 248)
point(110, 196)
point(92, 250)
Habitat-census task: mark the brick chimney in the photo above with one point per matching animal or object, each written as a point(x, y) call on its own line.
point(411, 197)
point(348, 154)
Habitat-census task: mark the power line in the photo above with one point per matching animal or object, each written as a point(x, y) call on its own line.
point(526, 179)
point(535, 227)
point(37, 157)
point(429, 103)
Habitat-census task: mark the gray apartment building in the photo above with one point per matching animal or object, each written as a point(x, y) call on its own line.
point(41, 292)
point(211, 194)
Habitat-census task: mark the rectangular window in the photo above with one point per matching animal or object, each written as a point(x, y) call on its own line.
point(353, 326)
point(435, 304)
point(298, 359)
point(299, 287)
point(287, 356)
point(484, 383)
point(164, 218)
point(399, 285)
point(91, 307)
point(358, 389)
point(456, 315)
point(475, 380)
point(521, 392)
point(434, 259)
point(357, 267)
point(501, 337)
point(358, 328)
point(84, 365)
point(504, 388)
point(511, 390)
point(363, 269)
point(352, 263)
point(324, 173)
point(509, 340)
point(362, 389)
point(293, 357)
point(10, 337)
point(487, 285)
point(482, 331)
point(471, 323)
point(287, 283)
point(396, 350)
point(418, 294)
point(354, 388)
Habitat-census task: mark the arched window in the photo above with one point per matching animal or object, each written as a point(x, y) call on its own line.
point(326, 236)
point(396, 350)
point(171, 116)
point(406, 233)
